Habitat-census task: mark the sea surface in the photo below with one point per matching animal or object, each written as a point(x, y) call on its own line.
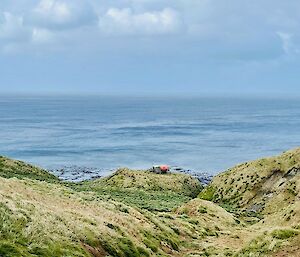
point(104, 133)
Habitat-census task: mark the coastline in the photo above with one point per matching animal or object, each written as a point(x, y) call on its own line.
point(76, 173)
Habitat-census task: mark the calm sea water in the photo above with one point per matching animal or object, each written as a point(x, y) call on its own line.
point(202, 134)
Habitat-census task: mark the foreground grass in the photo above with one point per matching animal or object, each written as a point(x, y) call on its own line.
point(51, 218)
point(38, 219)
point(135, 213)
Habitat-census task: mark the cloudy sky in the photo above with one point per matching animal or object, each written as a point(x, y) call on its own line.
point(150, 46)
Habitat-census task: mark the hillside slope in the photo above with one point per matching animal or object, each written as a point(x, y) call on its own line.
point(265, 194)
point(148, 181)
point(12, 168)
point(42, 216)
point(145, 190)
point(249, 210)
point(265, 186)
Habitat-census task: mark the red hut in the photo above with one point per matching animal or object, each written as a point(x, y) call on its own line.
point(160, 169)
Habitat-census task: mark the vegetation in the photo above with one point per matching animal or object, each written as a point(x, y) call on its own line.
point(258, 188)
point(250, 210)
point(143, 190)
point(17, 169)
point(284, 234)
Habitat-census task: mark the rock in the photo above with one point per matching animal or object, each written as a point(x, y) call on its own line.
point(203, 177)
point(77, 174)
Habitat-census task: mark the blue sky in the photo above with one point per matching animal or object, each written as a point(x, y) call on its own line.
point(150, 46)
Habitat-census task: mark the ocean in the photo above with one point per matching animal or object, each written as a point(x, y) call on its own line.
point(200, 134)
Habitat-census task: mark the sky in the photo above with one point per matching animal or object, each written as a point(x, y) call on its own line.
point(155, 47)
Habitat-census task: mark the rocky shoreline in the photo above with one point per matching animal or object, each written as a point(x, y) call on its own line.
point(203, 177)
point(77, 173)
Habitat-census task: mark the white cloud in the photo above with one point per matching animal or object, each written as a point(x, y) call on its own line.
point(61, 14)
point(288, 45)
point(126, 22)
point(205, 27)
point(12, 28)
point(42, 36)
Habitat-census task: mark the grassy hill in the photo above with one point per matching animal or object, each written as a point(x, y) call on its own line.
point(249, 210)
point(264, 186)
point(42, 216)
point(148, 181)
point(145, 190)
point(265, 194)
point(12, 168)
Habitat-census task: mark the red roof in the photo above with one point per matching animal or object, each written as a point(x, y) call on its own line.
point(164, 167)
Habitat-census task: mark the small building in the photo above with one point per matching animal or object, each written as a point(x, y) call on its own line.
point(160, 169)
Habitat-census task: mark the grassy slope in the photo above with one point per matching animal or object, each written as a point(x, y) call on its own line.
point(134, 213)
point(39, 219)
point(18, 169)
point(51, 218)
point(144, 190)
point(264, 186)
point(264, 193)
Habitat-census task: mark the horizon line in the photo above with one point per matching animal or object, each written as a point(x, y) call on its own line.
point(265, 95)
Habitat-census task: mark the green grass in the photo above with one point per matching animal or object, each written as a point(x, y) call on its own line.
point(151, 201)
point(135, 213)
point(148, 181)
point(284, 234)
point(17, 169)
point(143, 190)
point(258, 247)
point(14, 241)
point(25, 230)
point(208, 194)
point(247, 186)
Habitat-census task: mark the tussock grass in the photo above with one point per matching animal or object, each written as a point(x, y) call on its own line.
point(18, 169)
point(284, 233)
point(144, 190)
point(45, 217)
point(257, 188)
point(250, 210)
